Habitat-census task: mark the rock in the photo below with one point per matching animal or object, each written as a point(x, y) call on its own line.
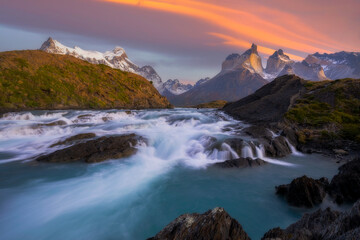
point(345, 186)
point(346, 226)
point(75, 138)
point(340, 152)
point(51, 124)
point(215, 224)
point(236, 144)
point(322, 224)
point(309, 227)
point(304, 191)
point(269, 103)
point(258, 131)
point(96, 150)
point(274, 146)
point(277, 147)
point(241, 163)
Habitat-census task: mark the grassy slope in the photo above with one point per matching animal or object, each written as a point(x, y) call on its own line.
point(329, 110)
point(213, 104)
point(39, 80)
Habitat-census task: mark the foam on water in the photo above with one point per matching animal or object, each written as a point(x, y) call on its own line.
point(180, 137)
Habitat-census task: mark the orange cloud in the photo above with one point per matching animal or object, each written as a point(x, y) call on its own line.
point(241, 25)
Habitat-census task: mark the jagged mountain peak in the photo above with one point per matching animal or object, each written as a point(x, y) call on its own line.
point(252, 50)
point(249, 60)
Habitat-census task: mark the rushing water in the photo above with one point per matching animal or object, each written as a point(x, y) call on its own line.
point(136, 197)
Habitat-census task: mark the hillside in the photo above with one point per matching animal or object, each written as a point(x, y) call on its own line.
point(316, 115)
point(38, 80)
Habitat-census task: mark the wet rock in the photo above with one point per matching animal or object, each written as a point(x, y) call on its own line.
point(340, 152)
point(304, 191)
point(277, 147)
point(74, 139)
point(346, 226)
point(309, 227)
point(241, 163)
point(51, 124)
point(322, 224)
point(214, 224)
point(258, 131)
point(236, 144)
point(97, 150)
point(345, 186)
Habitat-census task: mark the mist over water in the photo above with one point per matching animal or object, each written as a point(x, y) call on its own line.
point(136, 197)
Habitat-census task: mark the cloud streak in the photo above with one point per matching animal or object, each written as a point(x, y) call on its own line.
point(244, 25)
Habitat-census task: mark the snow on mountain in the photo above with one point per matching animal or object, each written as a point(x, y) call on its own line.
point(176, 87)
point(337, 65)
point(249, 60)
point(116, 58)
point(201, 81)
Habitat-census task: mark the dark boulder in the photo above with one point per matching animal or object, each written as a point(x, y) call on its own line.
point(97, 150)
point(304, 191)
point(215, 224)
point(74, 139)
point(321, 225)
point(241, 163)
point(345, 186)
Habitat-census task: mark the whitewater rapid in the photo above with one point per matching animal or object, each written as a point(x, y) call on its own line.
point(178, 136)
point(134, 197)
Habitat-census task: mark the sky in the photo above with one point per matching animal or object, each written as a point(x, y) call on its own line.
point(184, 39)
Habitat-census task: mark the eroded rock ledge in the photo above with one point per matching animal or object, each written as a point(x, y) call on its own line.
point(97, 150)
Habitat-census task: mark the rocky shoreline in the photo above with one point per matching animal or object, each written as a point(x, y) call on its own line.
point(323, 224)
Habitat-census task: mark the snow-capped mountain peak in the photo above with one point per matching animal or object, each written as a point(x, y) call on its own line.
point(116, 58)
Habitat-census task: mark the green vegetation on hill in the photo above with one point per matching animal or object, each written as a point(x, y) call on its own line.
point(39, 80)
point(213, 104)
point(328, 110)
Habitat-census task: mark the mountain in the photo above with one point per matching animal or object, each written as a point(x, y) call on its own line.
point(316, 67)
point(249, 60)
point(337, 65)
point(280, 64)
point(39, 80)
point(240, 76)
point(116, 58)
point(277, 62)
point(201, 81)
point(309, 71)
point(176, 87)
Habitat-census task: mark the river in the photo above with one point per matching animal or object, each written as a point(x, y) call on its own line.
point(134, 198)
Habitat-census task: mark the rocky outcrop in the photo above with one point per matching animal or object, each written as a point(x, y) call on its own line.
point(322, 224)
point(269, 103)
point(345, 186)
point(241, 163)
point(97, 150)
point(215, 224)
point(304, 191)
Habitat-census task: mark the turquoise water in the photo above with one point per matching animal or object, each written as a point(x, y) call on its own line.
point(136, 197)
